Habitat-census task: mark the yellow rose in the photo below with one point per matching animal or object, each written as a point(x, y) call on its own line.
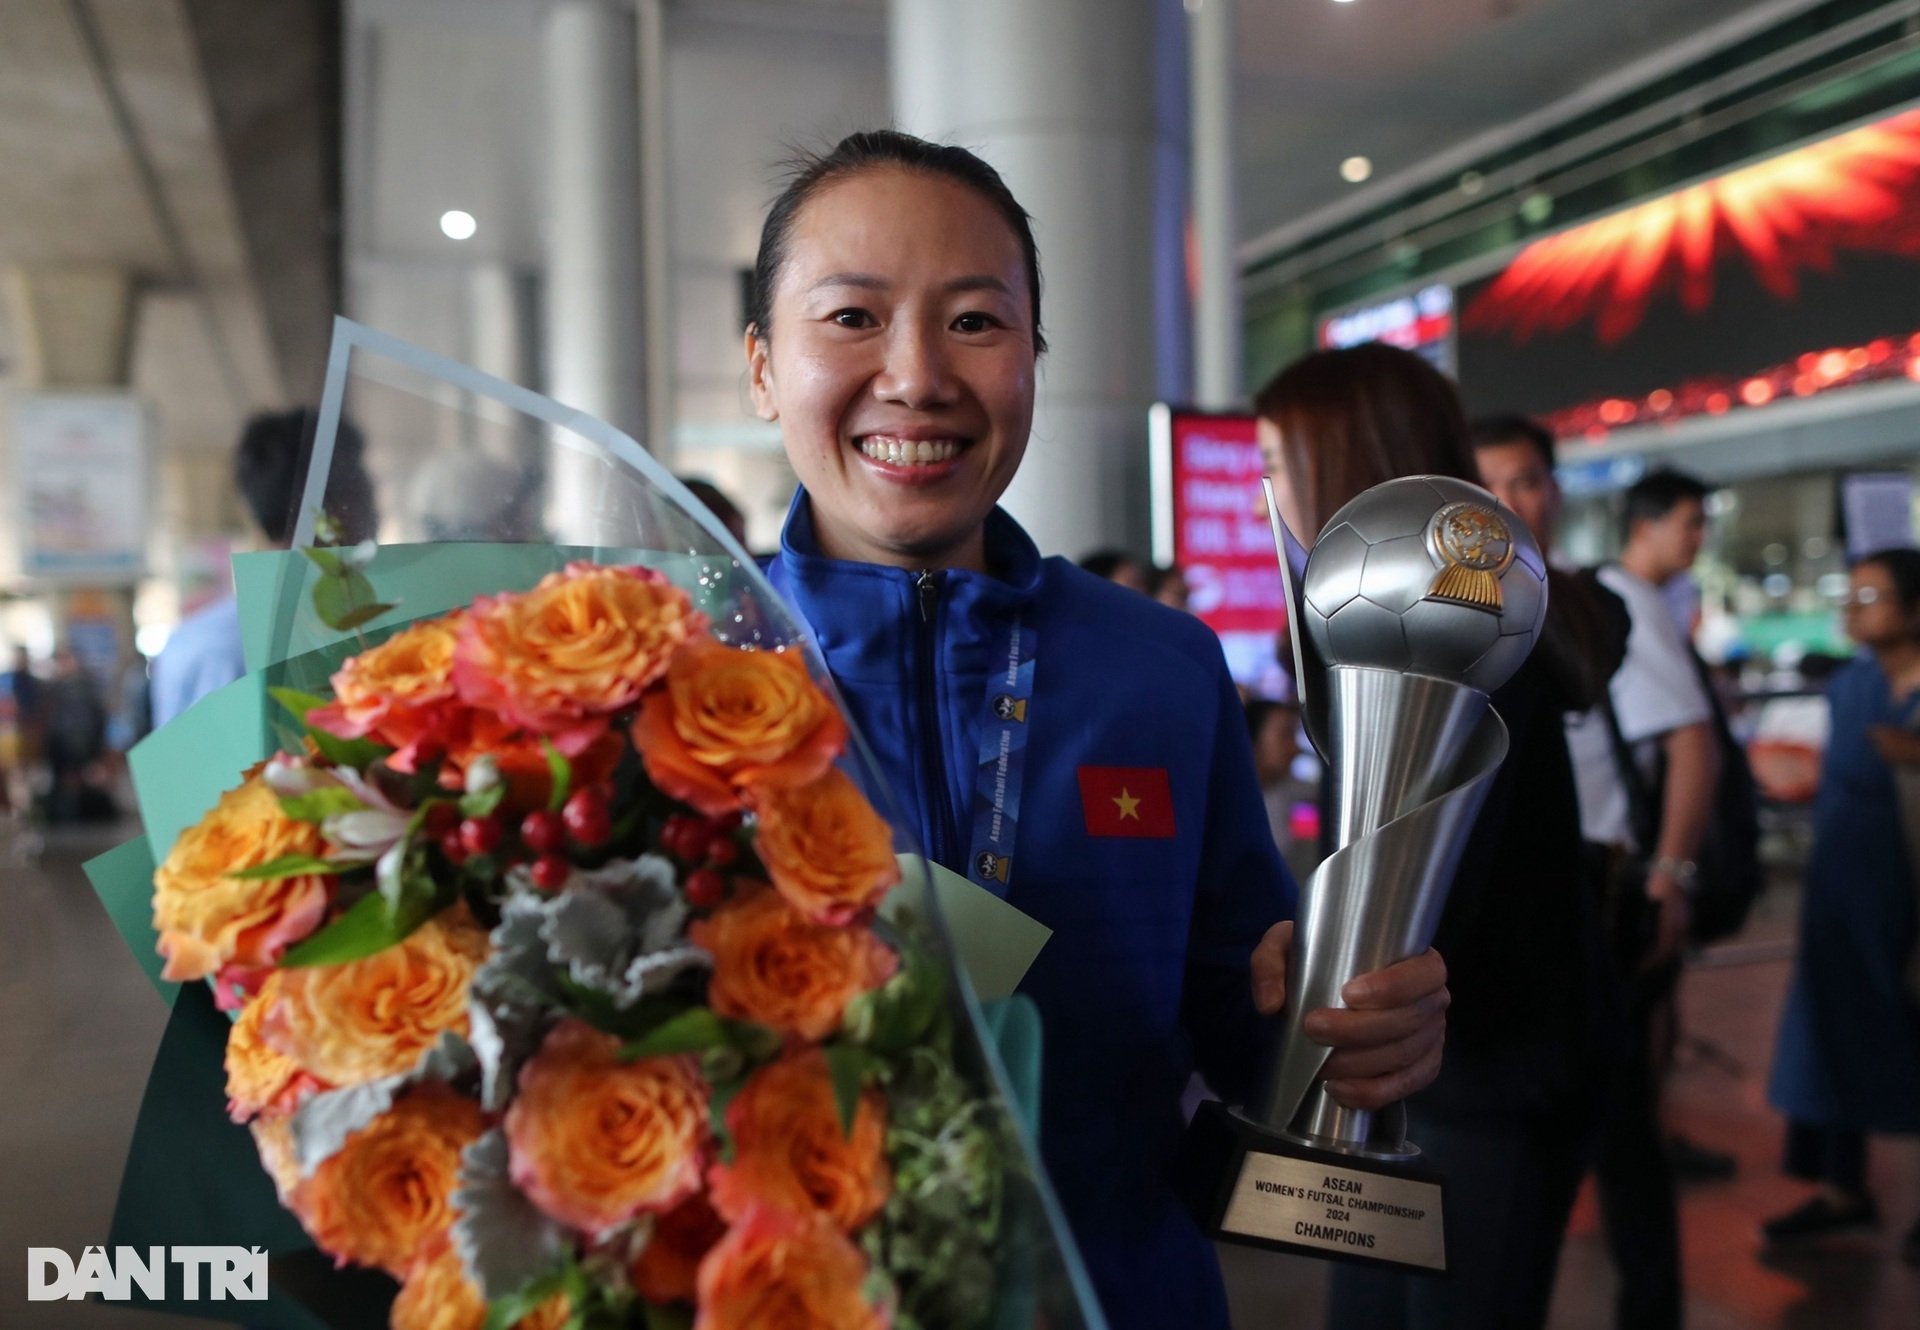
point(730, 718)
point(596, 1141)
point(208, 919)
point(825, 848)
point(580, 646)
point(352, 1023)
point(773, 965)
point(388, 1193)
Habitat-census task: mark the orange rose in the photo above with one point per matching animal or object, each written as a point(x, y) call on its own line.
point(596, 1141)
point(581, 645)
point(523, 762)
point(789, 1150)
point(260, 1078)
point(352, 1023)
point(208, 919)
point(668, 1266)
point(825, 848)
point(389, 1190)
point(730, 718)
point(781, 1271)
point(775, 966)
point(397, 692)
point(437, 1295)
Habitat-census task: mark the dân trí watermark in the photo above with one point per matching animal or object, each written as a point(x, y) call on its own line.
point(213, 1273)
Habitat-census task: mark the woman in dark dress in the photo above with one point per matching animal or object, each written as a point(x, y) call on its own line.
point(1510, 1120)
point(1848, 1059)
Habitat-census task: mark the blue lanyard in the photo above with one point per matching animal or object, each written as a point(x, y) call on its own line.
point(1003, 756)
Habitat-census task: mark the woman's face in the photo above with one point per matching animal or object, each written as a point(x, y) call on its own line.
point(1874, 614)
point(899, 366)
point(1289, 491)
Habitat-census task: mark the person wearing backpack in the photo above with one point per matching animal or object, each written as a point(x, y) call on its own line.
point(1648, 761)
point(1847, 1061)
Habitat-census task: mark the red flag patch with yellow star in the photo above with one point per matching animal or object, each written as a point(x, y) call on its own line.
point(1127, 801)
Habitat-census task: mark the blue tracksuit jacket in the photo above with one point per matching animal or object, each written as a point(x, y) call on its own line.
point(1145, 976)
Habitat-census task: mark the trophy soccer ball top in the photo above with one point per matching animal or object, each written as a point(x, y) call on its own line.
point(1426, 575)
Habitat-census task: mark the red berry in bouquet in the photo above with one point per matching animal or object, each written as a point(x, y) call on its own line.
point(705, 888)
point(543, 832)
point(729, 719)
point(551, 871)
point(480, 835)
point(589, 821)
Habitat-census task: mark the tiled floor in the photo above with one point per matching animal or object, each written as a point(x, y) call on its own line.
point(80, 1026)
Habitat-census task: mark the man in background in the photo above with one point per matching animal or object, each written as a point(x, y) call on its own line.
point(269, 469)
point(1647, 761)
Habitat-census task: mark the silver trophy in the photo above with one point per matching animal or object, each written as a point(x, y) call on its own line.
point(1420, 598)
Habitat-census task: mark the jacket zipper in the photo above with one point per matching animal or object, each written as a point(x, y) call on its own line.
point(933, 763)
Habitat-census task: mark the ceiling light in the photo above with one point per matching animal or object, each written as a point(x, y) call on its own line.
point(1355, 169)
point(457, 225)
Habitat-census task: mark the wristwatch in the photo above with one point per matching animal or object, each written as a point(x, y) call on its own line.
point(1684, 872)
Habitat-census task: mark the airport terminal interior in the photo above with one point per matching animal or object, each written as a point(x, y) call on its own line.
point(1678, 236)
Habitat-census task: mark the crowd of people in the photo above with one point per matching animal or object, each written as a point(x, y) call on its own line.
point(898, 297)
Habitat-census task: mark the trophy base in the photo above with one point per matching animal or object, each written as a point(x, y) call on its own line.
point(1250, 1185)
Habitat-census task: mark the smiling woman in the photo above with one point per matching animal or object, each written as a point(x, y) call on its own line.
point(895, 344)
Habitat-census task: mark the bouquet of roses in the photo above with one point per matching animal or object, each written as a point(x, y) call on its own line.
point(557, 932)
point(559, 987)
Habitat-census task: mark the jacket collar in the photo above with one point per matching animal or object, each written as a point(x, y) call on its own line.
point(1012, 558)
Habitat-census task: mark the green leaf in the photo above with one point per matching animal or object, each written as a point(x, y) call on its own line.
point(321, 804)
point(505, 1312)
point(326, 560)
point(694, 1030)
point(482, 802)
point(721, 1095)
point(367, 928)
point(341, 600)
point(365, 614)
point(849, 1066)
point(561, 771)
point(356, 753)
point(287, 865)
point(297, 702)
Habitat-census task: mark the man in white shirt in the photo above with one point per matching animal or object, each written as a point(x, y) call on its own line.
point(1665, 720)
point(1661, 705)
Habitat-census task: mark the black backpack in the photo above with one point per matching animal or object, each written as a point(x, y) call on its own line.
point(1731, 876)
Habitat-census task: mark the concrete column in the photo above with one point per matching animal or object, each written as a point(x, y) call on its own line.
point(1217, 317)
point(1059, 97)
point(594, 310)
point(73, 324)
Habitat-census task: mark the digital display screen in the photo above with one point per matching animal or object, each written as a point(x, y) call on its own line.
point(1792, 277)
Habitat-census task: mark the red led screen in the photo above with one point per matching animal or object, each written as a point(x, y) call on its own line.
point(1794, 276)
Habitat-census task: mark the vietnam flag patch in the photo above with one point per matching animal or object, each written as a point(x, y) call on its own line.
point(1127, 801)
